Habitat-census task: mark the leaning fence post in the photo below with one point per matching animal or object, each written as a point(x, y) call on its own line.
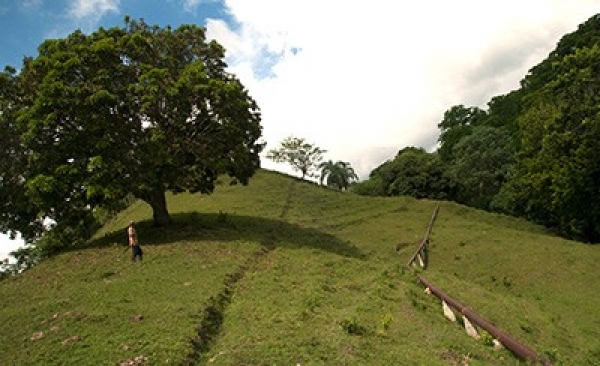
point(421, 252)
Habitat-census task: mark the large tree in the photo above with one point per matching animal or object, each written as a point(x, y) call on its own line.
point(136, 110)
point(301, 155)
point(15, 208)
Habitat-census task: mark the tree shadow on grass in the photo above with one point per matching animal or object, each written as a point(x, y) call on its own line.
point(271, 233)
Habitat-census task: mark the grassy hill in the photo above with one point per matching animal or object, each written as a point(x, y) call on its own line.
point(284, 272)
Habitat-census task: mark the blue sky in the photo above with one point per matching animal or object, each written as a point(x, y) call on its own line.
point(360, 79)
point(24, 24)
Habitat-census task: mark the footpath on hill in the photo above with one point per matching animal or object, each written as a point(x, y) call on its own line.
point(212, 318)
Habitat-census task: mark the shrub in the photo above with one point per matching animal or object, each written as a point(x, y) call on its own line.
point(352, 327)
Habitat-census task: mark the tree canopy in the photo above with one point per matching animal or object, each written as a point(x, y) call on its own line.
point(457, 123)
point(558, 171)
point(136, 110)
point(338, 175)
point(480, 165)
point(413, 172)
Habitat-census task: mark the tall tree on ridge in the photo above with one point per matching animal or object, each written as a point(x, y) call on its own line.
point(136, 110)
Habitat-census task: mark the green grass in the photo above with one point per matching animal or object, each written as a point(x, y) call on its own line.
point(284, 272)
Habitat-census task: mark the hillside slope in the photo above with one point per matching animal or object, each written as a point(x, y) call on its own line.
point(286, 272)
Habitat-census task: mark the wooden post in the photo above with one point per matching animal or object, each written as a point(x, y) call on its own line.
point(421, 252)
point(512, 344)
point(448, 313)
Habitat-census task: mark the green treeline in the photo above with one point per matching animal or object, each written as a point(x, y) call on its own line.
point(534, 153)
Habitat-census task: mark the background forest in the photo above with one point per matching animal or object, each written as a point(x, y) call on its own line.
point(533, 153)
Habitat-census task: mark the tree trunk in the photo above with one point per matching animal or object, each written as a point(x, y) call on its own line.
point(158, 201)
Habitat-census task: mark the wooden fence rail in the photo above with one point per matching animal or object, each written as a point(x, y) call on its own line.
point(420, 254)
point(506, 340)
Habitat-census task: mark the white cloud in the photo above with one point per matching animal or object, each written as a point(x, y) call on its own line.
point(192, 5)
point(81, 9)
point(84, 15)
point(7, 245)
point(32, 4)
point(361, 78)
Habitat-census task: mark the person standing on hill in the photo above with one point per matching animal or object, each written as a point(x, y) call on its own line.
point(136, 250)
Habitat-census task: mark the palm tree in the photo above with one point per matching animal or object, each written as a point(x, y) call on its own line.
point(338, 175)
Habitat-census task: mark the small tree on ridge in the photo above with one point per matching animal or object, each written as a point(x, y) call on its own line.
point(301, 155)
point(338, 175)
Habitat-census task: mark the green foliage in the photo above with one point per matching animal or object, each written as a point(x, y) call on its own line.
point(457, 123)
point(17, 211)
point(552, 355)
point(533, 153)
point(480, 165)
point(338, 175)
point(503, 112)
point(385, 322)
point(486, 339)
point(301, 155)
point(25, 258)
point(557, 177)
point(352, 327)
point(413, 172)
point(585, 36)
point(417, 300)
point(374, 186)
point(137, 110)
